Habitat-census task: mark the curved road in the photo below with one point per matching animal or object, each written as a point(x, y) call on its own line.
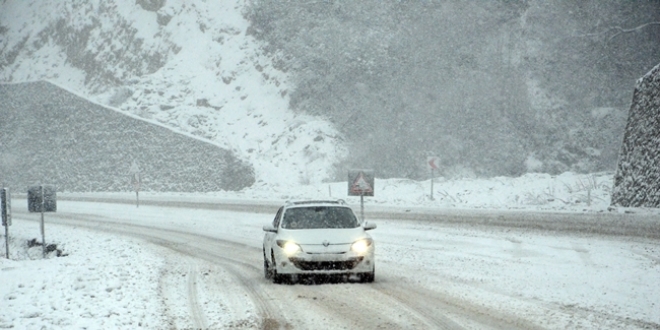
point(448, 274)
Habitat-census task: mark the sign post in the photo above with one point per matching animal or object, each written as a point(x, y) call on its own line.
point(361, 183)
point(433, 164)
point(42, 199)
point(5, 209)
point(43, 225)
point(135, 180)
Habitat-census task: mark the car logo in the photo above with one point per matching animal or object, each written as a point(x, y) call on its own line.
point(326, 243)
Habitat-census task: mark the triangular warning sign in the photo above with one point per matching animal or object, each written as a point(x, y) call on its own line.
point(361, 186)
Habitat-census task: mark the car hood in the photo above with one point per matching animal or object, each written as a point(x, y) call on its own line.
point(319, 236)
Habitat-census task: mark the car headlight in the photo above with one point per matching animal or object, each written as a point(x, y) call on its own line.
point(362, 245)
point(289, 247)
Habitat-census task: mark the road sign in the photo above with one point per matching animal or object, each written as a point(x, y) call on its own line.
point(42, 198)
point(361, 183)
point(135, 176)
point(134, 168)
point(135, 180)
point(433, 162)
point(5, 206)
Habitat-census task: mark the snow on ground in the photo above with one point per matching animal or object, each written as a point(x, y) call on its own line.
point(103, 281)
point(570, 192)
point(107, 281)
point(583, 275)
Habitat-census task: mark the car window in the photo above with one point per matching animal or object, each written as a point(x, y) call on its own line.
point(278, 216)
point(319, 217)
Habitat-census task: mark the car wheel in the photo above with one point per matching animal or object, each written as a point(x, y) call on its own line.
point(277, 278)
point(268, 273)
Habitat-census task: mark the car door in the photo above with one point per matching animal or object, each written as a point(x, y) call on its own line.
point(269, 237)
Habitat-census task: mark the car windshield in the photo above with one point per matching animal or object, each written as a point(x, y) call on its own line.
point(319, 217)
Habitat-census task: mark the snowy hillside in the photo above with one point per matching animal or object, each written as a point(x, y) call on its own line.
point(187, 65)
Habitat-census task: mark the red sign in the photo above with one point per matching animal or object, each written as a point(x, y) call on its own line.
point(434, 163)
point(361, 183)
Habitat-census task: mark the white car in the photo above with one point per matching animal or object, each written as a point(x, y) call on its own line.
point(317, 238)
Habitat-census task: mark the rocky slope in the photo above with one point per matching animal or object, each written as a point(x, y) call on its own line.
point(51, 136)
point(637, 179)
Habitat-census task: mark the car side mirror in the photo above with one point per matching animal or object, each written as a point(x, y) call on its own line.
point(269, 228)
point(368, 225)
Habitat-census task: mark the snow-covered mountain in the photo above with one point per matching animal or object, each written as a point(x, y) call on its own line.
point(187, 65)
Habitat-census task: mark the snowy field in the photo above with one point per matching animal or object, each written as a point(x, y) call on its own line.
point(111, 277)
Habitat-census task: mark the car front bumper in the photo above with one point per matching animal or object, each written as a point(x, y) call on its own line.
point(325, 263)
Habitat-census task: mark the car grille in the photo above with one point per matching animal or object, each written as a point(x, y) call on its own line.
point(326, 265)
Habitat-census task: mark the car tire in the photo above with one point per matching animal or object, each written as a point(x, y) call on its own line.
point(277, 278)
point(268, 273)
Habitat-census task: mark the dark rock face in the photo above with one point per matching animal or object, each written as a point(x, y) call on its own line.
point(637, 179)
point(150, 5)
point(50, 136)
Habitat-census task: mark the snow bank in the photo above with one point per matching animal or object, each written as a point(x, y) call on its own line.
point(103, 281)
point(533, 191)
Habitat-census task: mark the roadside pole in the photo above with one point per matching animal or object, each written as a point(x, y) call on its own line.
point(362, 207)
point(5, 209)
point(43, 229)
point(7, 241)
point(432, 177)
point(135, 181)
point(136, 186)
point(42, 198)
point(433, 165)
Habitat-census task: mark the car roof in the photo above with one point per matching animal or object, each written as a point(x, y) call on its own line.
point(307, 203)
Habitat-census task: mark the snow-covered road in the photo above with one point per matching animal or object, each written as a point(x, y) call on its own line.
point(199, 266)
